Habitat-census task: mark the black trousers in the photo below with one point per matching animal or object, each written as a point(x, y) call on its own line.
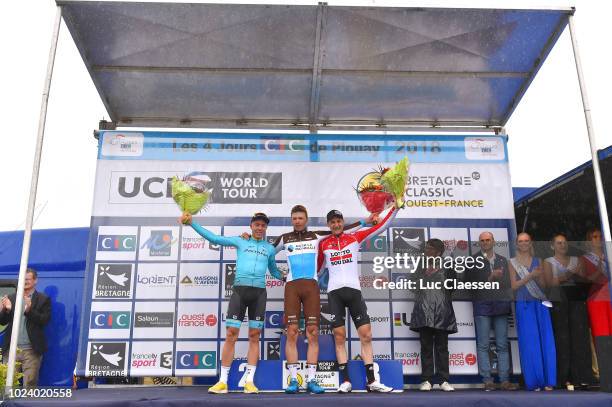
point(434, 340)
point(572, 341)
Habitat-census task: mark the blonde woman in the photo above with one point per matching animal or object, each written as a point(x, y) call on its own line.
point(535, 334)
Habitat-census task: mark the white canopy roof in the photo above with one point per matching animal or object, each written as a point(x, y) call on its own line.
point(241, 66)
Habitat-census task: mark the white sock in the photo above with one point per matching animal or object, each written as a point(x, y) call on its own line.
point(312, 370)
point(293, 370)
point(250, 373)
point(224, 374)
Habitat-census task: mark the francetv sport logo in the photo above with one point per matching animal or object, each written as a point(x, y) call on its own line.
point(149, 360)
point(113, 281)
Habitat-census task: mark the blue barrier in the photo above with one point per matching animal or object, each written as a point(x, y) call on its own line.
point(271, 374)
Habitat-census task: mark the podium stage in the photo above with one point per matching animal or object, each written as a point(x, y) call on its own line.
point(198, 396)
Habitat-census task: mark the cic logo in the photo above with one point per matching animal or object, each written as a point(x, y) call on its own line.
point(284, 145)
point(116, 243)
point(110, 320)
point(196, 360)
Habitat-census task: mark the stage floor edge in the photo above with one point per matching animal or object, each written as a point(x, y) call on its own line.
point(197, 395)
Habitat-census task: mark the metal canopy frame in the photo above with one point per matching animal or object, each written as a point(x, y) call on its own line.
point(316, 71)
point(432, 87)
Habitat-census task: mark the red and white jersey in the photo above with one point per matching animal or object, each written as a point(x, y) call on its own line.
point(340, 254)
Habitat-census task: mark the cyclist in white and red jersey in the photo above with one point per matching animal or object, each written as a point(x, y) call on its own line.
point(340, 254)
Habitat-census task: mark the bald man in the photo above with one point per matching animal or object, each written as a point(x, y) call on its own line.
point(491, 311)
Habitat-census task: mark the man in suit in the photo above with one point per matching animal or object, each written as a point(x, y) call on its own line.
point(491, 311)
point(32, 343)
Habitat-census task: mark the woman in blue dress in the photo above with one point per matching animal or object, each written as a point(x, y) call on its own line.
point(535, 333)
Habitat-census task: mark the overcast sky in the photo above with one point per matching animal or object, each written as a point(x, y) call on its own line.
point(547, 131)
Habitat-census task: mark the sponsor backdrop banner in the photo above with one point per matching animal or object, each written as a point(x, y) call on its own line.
point(157, 293)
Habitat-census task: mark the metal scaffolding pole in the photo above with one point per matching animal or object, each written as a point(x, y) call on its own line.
point(601, 197)
point(25, 252)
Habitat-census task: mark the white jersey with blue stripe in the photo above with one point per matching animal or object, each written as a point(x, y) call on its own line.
point(302, 249)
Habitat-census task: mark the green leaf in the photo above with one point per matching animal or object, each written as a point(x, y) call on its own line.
point(186, 198)
point(394, 180)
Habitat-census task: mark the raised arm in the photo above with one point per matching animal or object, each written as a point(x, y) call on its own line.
point(377, 229)
point(354, 227)
point(216, 239)
point(350, 228)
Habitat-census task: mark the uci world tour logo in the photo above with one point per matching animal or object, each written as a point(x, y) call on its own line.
point(225, 187)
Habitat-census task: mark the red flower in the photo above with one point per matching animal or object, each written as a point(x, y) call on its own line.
point(376, 201)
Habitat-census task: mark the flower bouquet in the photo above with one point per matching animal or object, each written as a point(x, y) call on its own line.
point(192, 193)
point(383, 188)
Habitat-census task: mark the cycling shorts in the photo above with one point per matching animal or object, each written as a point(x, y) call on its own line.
point(352, 299)
point(243, 298)
point(302, 292)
